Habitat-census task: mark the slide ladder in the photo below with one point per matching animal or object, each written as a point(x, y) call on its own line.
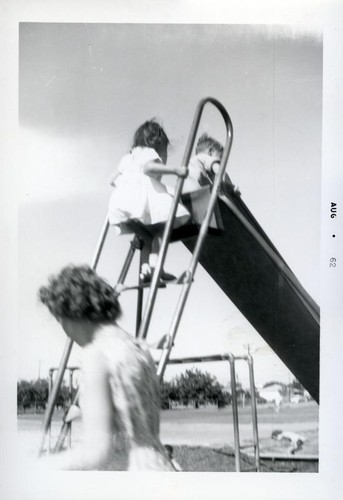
point(141, 242)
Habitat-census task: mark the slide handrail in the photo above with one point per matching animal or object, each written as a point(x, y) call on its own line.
point(178, 191)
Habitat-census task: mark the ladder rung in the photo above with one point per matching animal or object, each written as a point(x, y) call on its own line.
point(124, 288)
point(181, 280)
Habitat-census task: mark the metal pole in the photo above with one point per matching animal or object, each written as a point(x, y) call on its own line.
point(140, 297)
point(71, 398)
point(51, 374)
point(54, 393)
point(235, 412)
point(254, 412)
point(100, 244)
point(134, 244)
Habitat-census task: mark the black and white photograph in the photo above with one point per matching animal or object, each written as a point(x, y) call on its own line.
point(177, 223)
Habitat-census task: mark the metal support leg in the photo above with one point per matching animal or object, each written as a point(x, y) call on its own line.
point(71, 399)
point(134, 245)
point(51, 383)
point(254, 412)
point(235, 413)
point(54, 393)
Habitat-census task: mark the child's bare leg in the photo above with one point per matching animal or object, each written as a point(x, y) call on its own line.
point(155, 249)
point(145, 258)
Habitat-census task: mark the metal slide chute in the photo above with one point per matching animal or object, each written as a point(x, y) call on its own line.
point(252, 273)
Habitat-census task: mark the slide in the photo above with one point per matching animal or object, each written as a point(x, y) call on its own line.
point(252, 273)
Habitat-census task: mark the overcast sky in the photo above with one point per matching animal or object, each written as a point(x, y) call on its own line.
point(84, 89)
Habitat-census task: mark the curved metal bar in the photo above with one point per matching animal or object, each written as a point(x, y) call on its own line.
point(235, 412)
point(202, 233)
point(169, 224)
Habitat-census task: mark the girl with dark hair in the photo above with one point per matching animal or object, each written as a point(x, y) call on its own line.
point(139, 194)
point(119, 394)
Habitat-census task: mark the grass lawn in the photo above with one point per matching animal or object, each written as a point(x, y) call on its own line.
point(289, 414)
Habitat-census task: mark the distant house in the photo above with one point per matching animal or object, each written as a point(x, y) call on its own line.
point(272, 394)
point(300, 397)
point(297, 398)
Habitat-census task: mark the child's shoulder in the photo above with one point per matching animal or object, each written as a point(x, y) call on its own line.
point(134, 160)
point(144, 154)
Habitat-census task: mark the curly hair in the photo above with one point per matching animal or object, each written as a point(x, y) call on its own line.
point(78, 293)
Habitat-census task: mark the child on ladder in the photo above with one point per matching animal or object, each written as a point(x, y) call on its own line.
point(139, 194)
point(208, 154)
point(204, 165)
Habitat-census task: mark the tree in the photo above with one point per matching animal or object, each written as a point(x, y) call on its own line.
point(273, 382)
point(166, 392)
point(197, 387)
point(63, 397)
point(24, 394)
point(224, 399)
point(35, 393)
point(40, 389)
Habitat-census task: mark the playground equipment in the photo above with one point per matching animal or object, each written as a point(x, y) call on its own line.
point(232, 360)
point(141, 241)
point(239, 256)
point(71, 370)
